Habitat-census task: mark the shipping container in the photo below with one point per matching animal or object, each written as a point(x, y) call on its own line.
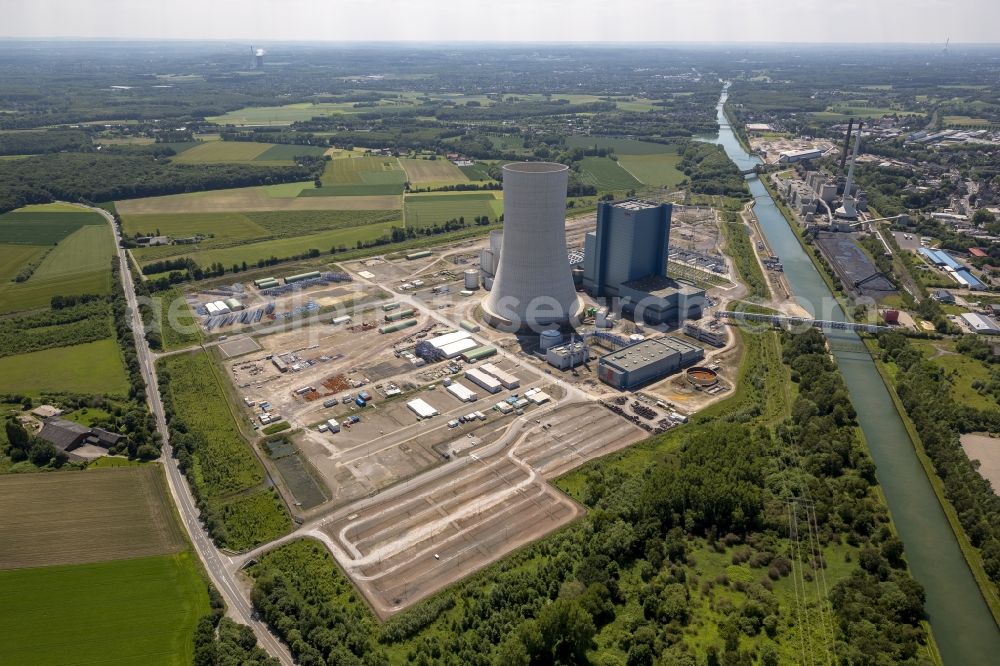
point(330, 403)
point(333, 425)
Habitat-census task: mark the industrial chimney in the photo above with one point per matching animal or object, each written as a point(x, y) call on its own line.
point(533, 287)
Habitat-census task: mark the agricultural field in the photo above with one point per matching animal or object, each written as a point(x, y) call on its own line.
point(95, 563)
point(285, 248)
point(965, 121)
point(424, 210)
point(360, 176)
point(618, 145)
point(127, 514)
point(605, 174)
point(142, 611)
point(15, 257)
point(223, 470)
point(843, 112)
point(244, 152)
point(656, 170)
point(234, 226)
point(477, 172)
point(283, 115)
point(77, 248)
point(44, 227)
point(92, 367)
point(262, 198)
point(432, 173)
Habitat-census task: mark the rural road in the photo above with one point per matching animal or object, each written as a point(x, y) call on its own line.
point(215, 562)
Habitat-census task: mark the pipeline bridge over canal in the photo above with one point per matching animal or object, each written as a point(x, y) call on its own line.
point(823, 324)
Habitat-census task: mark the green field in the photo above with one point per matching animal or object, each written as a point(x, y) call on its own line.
point(353, 190)
point(478, 171)
point(92, 367)
point(432, 173)
point(961, 371)
point(657, 170)
point(235, 226)
point(618, 145)
point(173, 308)
point(283, 152)
point(283, 197)
point(225, 471)
point(139, 611)
point(605, 174)
point(368, 170)
point(966, 121)
point(422, 210)
point(14, 257)
point(282, 115)
point(282, 248)
point(280, 234)
point(79, 264)
point(44, 228)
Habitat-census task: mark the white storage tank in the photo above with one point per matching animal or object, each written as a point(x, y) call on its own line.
point(471, 278)
point(549, 338)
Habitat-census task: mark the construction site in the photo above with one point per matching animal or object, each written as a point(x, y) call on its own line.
point(416, 434)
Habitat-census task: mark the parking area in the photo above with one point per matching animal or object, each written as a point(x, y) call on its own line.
point(415, 539)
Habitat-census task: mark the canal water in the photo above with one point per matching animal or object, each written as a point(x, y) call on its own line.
point(963, 627)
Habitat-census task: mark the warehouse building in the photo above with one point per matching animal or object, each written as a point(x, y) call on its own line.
point(442, 341)
point(458, 347)
point(981, 324)
point(483, 380)
point(461, 392)
point(421, 409)
point(792, 156)
point(646, 362)
point(507, 380)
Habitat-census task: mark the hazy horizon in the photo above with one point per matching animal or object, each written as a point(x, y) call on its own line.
point(664, 22)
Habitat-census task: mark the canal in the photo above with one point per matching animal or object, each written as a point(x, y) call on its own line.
point(962, 624)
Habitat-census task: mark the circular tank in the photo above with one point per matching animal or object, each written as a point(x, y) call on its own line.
point(471, 278)
point(548, 339)
point(702, 377)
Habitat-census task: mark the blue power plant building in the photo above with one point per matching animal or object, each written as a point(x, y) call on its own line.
point(626, 257)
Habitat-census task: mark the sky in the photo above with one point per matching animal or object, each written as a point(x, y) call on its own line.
point(669, 21)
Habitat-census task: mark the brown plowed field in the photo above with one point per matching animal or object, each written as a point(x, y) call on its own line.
point(90, 516)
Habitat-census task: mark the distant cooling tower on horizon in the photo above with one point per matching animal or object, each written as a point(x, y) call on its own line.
point(533, 287)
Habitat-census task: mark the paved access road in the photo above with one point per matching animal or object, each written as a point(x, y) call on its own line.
point(219, 566)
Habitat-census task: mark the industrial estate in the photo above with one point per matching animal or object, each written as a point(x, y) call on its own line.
point(663, 358)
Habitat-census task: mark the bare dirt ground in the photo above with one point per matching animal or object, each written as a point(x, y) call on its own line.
point(90, 516)
point(405, 546)
point(986, 450)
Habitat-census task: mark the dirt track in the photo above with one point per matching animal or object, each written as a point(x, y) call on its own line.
point(407, 545)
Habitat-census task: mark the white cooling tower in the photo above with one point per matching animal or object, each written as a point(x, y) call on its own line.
point(533, 286)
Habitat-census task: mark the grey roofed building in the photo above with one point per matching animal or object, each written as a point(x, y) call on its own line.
point(67, 436)
point(64, 435)
point(943, 296)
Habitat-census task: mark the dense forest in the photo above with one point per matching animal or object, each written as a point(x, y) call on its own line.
point(630, 582)
point(106, 177)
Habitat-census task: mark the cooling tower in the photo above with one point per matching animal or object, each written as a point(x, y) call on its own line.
point(533, 287)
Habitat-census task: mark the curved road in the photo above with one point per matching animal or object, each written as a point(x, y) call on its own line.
point(219, 566)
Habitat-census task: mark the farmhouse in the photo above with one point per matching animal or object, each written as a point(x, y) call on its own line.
point(76, 440)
